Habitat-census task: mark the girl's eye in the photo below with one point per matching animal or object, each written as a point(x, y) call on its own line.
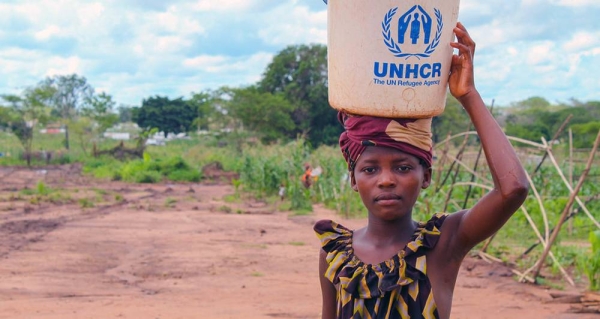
point(369, 169)
point(404, 168)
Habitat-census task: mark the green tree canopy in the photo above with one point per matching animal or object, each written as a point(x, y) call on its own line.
point(71, 93)
point(300, 73)
point(535, 117)
point(206, 114)
point(169, 116)
point(268, 115)
point(585, 134)
point(24, 112)
point(453, 120)
point(100, 109)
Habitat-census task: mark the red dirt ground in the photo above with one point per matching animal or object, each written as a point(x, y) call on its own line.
point(181, 251)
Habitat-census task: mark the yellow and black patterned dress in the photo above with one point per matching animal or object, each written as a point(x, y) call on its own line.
point(396, 288)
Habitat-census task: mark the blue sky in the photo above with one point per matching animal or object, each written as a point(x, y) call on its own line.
point(133, 49)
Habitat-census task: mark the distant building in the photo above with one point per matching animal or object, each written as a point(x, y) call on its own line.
point(53, 129)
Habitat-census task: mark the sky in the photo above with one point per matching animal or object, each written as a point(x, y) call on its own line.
point(135, 49)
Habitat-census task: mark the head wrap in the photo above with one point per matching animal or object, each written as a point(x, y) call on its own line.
point(411, 136)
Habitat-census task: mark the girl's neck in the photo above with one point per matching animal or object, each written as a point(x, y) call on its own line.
point(383, 233)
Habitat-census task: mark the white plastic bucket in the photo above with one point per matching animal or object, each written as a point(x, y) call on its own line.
point(390, 58)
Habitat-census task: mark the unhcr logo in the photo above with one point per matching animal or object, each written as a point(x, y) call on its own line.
point(415, 37)
point(415, 27)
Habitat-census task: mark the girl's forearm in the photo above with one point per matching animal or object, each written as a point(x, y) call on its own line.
point(505, 167)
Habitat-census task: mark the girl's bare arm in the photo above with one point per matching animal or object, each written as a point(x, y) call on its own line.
point(510, 182)
point(327, 289)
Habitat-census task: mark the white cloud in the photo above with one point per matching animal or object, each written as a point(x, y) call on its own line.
point(299, 26)
point(219, 64)
point(33, 11)
point(210, 63)
point(576, 3)
point(471, 6)
point(176, 21)
point(64, 66)
point(222, 5)
point(582, 40)
point(541, 53)
point(88, 14)
point(48, 32)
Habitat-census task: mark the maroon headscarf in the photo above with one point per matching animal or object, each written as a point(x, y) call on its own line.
point(412, 136)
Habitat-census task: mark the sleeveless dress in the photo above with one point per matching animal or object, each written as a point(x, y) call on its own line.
point(396, 288)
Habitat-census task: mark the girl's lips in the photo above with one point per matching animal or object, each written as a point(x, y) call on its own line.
point(388, 202)
point(387, 197)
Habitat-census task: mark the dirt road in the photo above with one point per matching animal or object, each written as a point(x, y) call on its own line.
point(91, 249)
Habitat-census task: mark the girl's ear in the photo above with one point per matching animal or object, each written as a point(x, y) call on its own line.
point(353, 182)
point(426, 178)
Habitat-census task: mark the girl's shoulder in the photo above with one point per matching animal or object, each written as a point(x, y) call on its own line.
point(331, 233)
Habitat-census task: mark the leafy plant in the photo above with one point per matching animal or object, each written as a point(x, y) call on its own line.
point(86, 203)
point(170, 202)
point(590, 264)
point(42, 189)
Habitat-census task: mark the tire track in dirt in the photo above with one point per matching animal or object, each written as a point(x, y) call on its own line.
point(18, 234)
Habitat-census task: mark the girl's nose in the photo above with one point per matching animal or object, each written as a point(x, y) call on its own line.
point(386, 179)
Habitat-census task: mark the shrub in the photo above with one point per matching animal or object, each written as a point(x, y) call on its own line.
point(147, 177)
point(590, 264)
point(184, 175)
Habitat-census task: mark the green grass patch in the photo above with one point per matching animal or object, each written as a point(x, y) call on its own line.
point(296, 243)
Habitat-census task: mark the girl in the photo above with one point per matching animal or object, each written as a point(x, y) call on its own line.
point(395, 267)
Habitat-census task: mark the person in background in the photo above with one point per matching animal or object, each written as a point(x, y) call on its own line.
point(307, 176)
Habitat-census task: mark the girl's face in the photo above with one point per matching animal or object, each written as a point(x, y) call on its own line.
point(389, 181)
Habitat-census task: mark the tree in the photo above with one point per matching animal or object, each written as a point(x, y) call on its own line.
point(100, 108)
point(24, 112)
point(453, 120)
point(586, 134)
point(169, 116)
point(71, 93)
point(532, 103)
point(267, 114)
point(300, 74)
point(206, 112)
point(125, 113)
point(5, 117)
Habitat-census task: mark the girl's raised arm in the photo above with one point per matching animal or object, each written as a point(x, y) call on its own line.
point(492, 211)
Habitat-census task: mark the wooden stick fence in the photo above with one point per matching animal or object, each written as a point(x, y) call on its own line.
point(548, 236)
point(563, 215)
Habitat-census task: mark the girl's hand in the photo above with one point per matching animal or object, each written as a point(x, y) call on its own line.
point(461, 80)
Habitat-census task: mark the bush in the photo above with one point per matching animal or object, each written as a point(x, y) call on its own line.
point(131, 170)
point(147, 177)
point(150, 171)
point(184, 175)
point(174, 164)
point(590, 264)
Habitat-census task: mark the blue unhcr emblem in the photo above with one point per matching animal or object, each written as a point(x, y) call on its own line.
point(414, 26)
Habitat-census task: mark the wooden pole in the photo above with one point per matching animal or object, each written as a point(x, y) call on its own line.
point(569, 217)
point(570, 225)
point(458, 158)
point(584, 174)
point(475, 166)
point(556, 134)
point(442, 160)
point(566, 182)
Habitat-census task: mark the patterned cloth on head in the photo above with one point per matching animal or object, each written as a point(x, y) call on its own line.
point(397, 288)
point(412, 136)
